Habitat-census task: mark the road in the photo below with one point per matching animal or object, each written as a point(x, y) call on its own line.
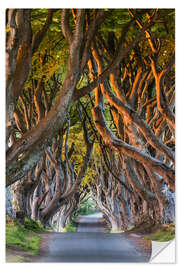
point(90, 244)
point(91, 223)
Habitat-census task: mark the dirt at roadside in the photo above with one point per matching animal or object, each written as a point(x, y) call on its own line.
point(13, 256)
point(144, 246)
point(45, 238)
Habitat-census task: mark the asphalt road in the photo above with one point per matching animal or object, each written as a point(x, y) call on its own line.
point(91, 223)
point(90, 244)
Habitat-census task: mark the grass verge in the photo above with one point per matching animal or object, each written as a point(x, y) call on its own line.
point(70, 228)
point(164, 233)
point(18, 237)
point(22, 240)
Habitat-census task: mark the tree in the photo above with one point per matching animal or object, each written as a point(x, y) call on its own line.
point(60, 60)
point(30, 145)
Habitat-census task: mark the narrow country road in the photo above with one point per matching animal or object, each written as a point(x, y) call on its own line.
point(91, 223)
point(90, 244)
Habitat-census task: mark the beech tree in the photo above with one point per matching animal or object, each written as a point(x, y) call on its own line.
point(53, 184)
point(23, 154)
point(117, 67)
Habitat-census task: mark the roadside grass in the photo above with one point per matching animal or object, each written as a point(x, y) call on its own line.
point(165, 233)
point(18, 237)
point(130, 227)
point(70, 228)
point(108, 229)
point(33, 225)
point(23, 237)
point(17, 259)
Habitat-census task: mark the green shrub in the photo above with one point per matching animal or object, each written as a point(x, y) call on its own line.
point(33, 225)
point(70, 228)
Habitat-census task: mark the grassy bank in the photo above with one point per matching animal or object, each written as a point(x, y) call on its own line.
point(165, 232)
point(70, 228)
point(23, 239)
point(18, 237)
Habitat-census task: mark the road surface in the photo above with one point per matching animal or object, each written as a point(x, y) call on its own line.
point(90, 244)
point(91, 223)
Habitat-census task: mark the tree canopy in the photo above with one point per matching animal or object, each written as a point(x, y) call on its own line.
point(90, 108)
